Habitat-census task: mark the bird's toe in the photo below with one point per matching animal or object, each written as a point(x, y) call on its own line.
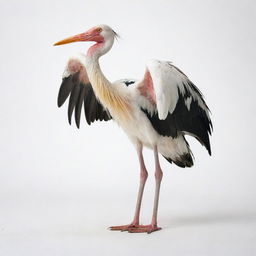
point(143, 229)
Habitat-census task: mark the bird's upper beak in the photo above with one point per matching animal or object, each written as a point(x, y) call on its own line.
point(90, 35)
point(71, 39)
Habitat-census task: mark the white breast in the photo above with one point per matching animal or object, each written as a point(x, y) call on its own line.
point(139, 128)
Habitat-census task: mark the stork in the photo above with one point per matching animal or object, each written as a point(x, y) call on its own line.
point(156, 111)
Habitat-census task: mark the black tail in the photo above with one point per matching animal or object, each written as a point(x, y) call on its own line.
point(183, 161)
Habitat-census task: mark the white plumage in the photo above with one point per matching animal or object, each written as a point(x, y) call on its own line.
point(156, 112)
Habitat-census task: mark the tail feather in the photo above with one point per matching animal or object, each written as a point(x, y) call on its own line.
point(183, 161)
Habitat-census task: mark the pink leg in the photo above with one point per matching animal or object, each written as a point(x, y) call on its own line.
point(158, 176)
point(143, 178)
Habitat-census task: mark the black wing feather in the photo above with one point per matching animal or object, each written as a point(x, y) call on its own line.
point(87, 102)
point(81, 93)
point(79, 105)
point(92, 109)
point(100, 112)
point(65, 89)
point(193, 121)
point(73, 101)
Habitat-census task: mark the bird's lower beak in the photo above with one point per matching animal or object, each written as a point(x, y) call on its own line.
point(76, 38)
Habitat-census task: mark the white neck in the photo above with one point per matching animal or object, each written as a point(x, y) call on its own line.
point(92, 60)
point(107, 94)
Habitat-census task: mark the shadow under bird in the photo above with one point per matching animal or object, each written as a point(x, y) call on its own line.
point(155, 112)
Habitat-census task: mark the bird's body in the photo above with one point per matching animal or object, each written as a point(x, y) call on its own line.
point(156, 112)
point(139, 128)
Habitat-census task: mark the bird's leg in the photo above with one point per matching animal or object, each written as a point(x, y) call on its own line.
point(158, 176)
point(143, 178)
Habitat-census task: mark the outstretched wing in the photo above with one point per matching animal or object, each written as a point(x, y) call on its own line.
point(75, 83)
point(174, 104)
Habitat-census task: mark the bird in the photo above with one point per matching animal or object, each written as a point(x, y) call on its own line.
point(156, 111)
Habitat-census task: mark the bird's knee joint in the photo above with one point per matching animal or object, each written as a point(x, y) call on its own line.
point(159, 175)
point(143, 175)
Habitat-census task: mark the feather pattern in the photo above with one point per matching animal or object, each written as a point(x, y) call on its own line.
point(75, 83)
point(171, 103)
point(178, 106)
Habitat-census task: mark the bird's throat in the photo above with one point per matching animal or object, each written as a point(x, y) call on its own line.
point(94, 49)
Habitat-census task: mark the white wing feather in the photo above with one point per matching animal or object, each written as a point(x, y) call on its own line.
point(168, 81)
point(166, 95)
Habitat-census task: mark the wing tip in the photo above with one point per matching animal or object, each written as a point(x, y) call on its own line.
point(209, 150)
point(77, 122)
point(59, 104)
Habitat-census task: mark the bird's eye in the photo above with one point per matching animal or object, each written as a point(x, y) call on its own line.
point(99, 30)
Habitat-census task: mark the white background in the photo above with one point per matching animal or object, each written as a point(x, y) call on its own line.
point(60, 187)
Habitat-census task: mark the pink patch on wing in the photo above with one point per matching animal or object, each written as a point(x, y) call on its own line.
point(147, 88)
point(75, 66)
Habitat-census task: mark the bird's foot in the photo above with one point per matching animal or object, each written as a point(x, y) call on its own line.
point(135, 228)
point(124, 227)
point(144, 229)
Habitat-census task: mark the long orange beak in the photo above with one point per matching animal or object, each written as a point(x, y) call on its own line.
point(76, 38)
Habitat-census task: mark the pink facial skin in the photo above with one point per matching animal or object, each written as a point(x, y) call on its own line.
point(94, 35)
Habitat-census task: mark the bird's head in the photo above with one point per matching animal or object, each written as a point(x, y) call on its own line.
point(103, 35)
